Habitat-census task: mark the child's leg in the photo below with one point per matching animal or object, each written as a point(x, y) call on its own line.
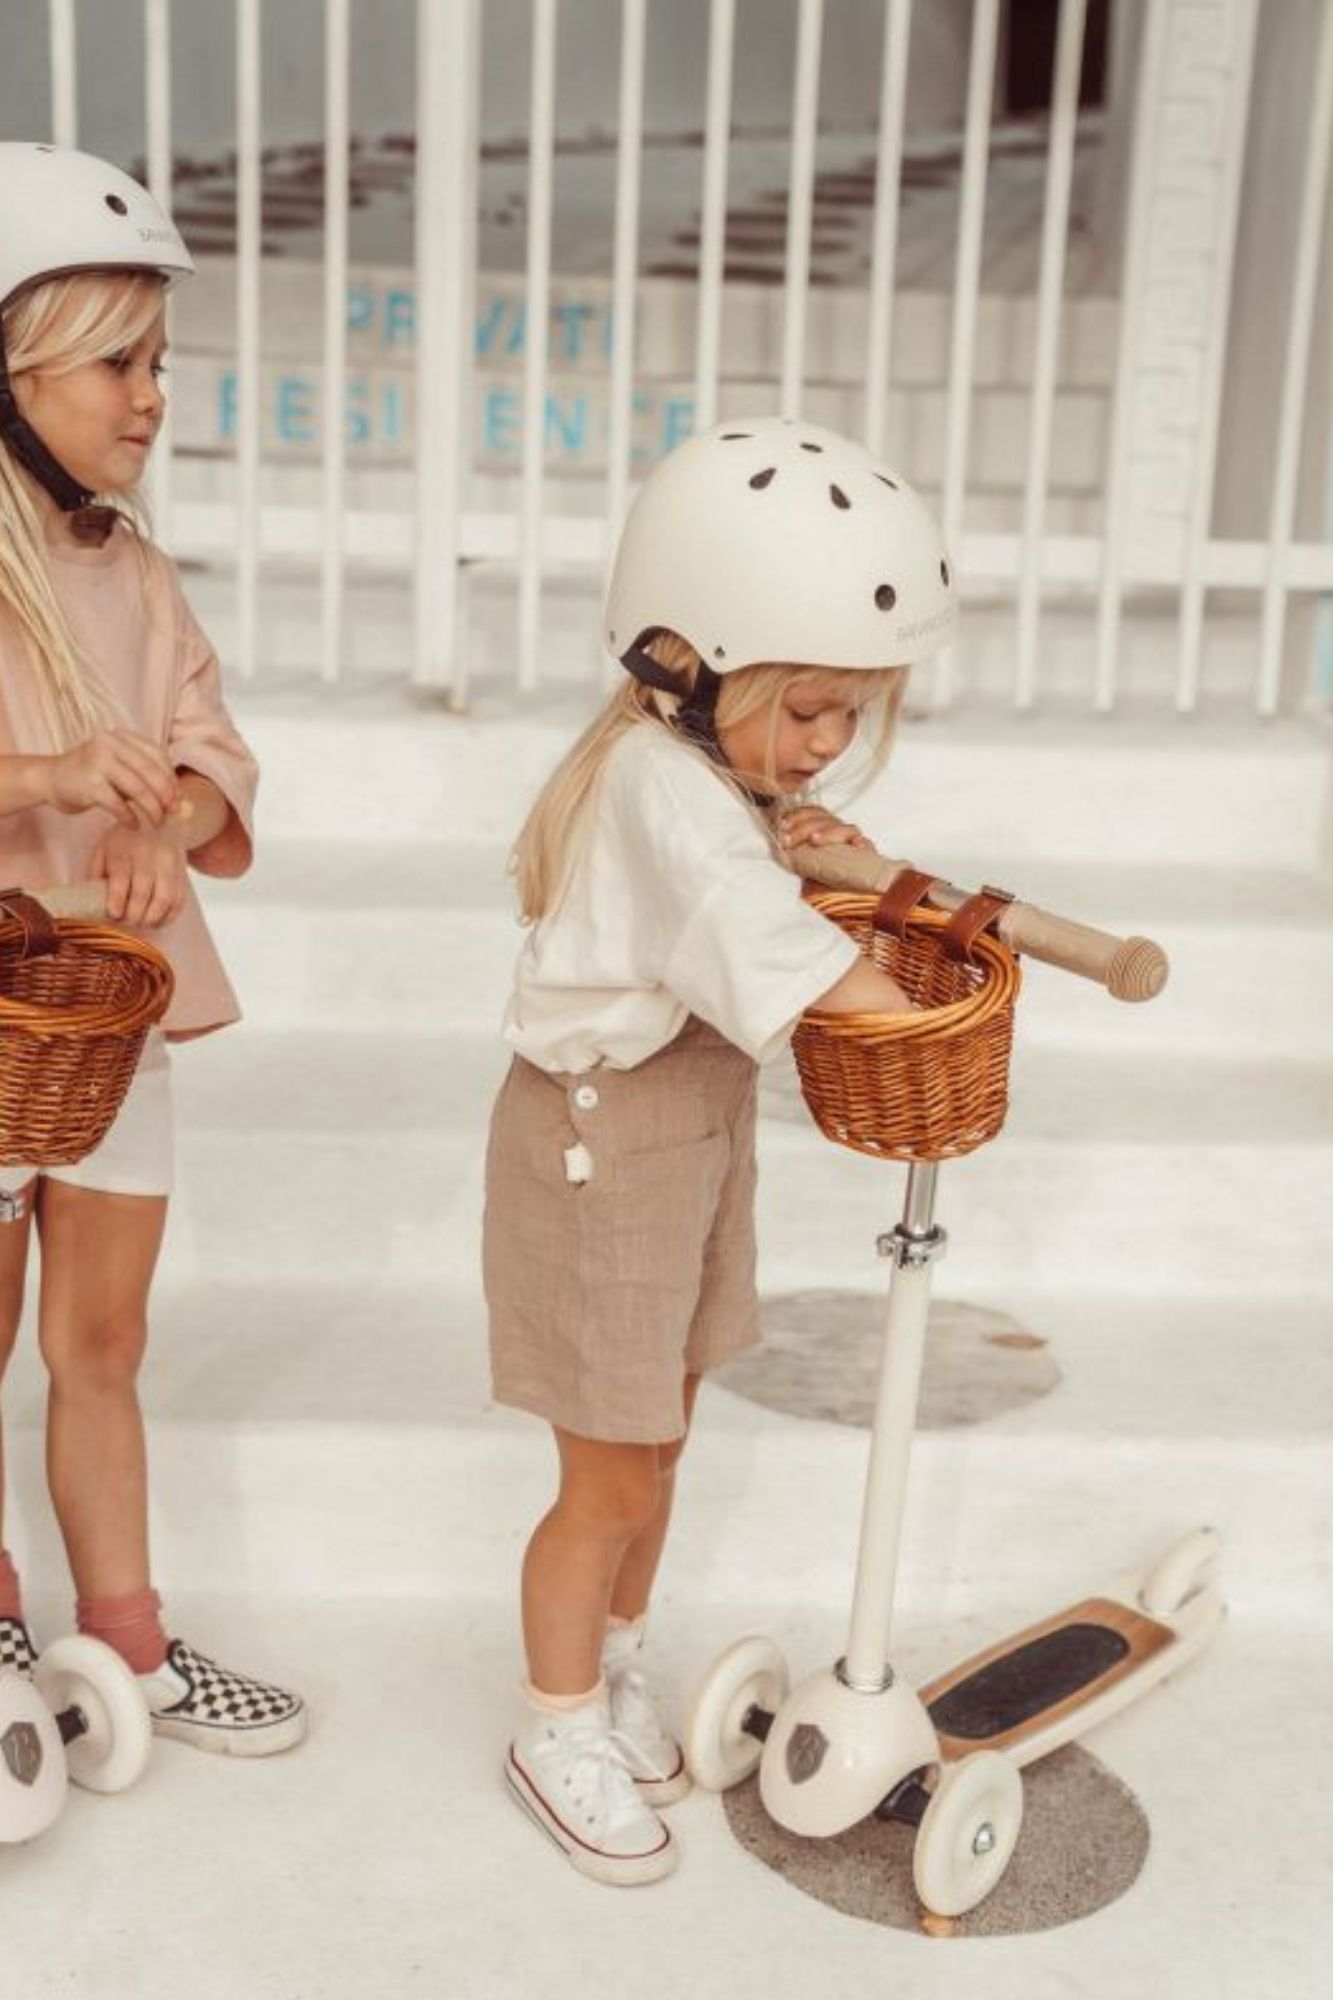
point(634, 1579)
point(610, 1496)
point(99, 1252)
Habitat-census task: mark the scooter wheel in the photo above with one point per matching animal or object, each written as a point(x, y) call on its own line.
point(750, 1677)
point(111, 1751)
point(32, 1761)
point(968, 1834)
point(1177, 1574)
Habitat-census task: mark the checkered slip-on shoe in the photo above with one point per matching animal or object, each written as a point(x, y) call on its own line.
point(193, 1699)
point(16, 1647)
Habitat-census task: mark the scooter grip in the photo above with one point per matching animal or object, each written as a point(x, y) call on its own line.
point(85, 901)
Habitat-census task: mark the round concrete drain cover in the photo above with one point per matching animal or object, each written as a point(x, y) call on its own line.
point(821, 1354)
point(1083, 1843)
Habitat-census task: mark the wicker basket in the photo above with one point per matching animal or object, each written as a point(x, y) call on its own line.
point(76, 1001)
point(930, 1085)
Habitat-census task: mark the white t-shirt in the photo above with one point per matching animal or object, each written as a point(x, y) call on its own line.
point(677, 906)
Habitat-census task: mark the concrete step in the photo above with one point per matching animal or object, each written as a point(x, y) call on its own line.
point(395, 1824)
point(425, 941)
point(382, 767)
point(441, 1512)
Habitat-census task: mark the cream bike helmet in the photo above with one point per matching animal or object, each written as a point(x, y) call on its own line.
point(770, 539)
point(62, 211)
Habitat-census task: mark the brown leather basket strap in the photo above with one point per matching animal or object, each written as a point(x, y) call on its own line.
point(896, 905)
point(40, 936)
point(979, 913)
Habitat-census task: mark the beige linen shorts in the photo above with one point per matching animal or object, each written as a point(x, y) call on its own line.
point(604, 1293)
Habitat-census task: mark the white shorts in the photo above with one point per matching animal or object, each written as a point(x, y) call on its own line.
point(137, 1155)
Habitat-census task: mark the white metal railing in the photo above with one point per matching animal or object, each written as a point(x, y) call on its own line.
point(528, 527)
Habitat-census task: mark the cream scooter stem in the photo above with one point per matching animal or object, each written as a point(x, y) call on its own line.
point(913, 1245)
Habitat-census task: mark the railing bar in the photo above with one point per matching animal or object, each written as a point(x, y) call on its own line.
point(337, 34)
point(64, 73)
point(1131, 286)
point(1296, 370)
point(713, 229)
point(448, 92)
point(249, 244)
point(967, 286)
point(541, 141)
point(884, 234)
point(1050, 303)
point(800, 203)
point(625, 267)
point(1214, 363)
point(157, 148)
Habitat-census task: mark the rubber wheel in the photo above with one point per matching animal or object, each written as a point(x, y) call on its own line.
point(718, 1749)
point(1177, 1574)
point(968, 1834)
point(82, 1673)
point(32, 1761)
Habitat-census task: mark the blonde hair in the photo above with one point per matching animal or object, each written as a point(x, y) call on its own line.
point(556, 826)
point(51, 328)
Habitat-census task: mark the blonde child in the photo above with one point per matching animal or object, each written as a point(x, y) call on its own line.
point(118, 761)
point(772, 586)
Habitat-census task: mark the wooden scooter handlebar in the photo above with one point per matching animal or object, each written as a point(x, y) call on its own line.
point(83, 900)
point(1129, 968)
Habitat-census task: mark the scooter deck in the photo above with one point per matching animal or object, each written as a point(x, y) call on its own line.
point(1025, 1692)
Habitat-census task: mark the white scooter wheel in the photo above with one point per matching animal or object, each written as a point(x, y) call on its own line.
point(81, 1673)
point(968, 1834)
point(719, 1750)
point(32, 1761)
point(1177, 1574)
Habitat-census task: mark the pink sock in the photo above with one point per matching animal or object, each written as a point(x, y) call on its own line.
point(11, 1604)
point(131, 1625)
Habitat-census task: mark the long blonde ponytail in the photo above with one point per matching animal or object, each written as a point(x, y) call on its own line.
point(53, 327)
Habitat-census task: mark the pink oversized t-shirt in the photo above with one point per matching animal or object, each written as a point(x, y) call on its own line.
point(129, 618)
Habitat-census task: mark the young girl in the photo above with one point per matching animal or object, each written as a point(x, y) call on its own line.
point(118, 761)
point(772, 586)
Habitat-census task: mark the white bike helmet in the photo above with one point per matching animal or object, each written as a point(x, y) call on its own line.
point(769, 539)
point(63, 211)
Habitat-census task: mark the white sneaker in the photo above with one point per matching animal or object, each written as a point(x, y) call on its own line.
point(573, 1774)
point(662, 1777)
point(193, 1699)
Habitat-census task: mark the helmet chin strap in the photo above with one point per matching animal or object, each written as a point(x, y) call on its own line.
point(23, 444)
point(696, 718)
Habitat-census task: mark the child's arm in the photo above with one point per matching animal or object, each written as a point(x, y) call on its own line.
point(144, 867)
point(124, 774)
point(865, 989)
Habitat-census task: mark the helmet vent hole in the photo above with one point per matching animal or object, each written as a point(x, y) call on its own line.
point(886, 597)
point(811, 447)
point(944, 573)
point(838, 497)
point(115, 204)
point(719, 652)
point(762, 479)
point(884, 480)
point(730, 437)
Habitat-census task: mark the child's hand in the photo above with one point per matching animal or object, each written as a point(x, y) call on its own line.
point(123, 773)
point(820, 828)
point(145, 873)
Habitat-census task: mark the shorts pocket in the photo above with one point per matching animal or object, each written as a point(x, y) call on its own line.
point(647, 1215)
